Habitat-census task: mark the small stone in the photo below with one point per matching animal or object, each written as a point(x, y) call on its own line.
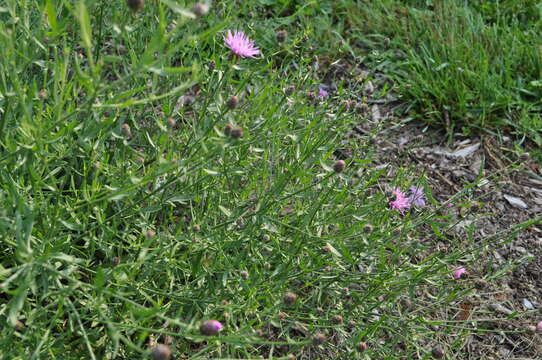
point(437, 352)
point(500, 309)
point(289, 298)
point(319, 339)
point(527, 304)
point(160, 352)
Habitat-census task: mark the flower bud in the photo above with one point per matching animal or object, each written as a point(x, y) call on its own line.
point(171, 122)
point(160, 352)
point(115, 261)
point(289, 298)
point(210, 327)
point(135, 5)
point(281, 36)
point(236, 132)
point(319, 338)
point(126, 131)
point(200, 9)
point(437, 352)
point(362, 346)
point(338, 167)
point(232, 102)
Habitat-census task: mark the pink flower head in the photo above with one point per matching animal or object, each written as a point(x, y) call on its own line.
point(240, 44)
point(417, 197)
point(539, 326)
point(322, 93)
point(457, 273)
point(401, 202)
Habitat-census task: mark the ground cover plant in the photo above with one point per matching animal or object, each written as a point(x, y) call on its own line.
point(174, 188)
point(466, 65)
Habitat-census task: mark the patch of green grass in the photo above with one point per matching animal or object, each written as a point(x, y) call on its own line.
point(120, 228)
point(473, 65)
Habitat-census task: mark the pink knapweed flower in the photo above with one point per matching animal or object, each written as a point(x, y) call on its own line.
point(417, 197)
point(240, 44)
point(457, 273)
point(401, 202)
point(322, 93)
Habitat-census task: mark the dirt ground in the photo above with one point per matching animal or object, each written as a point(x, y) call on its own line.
point(504, 189)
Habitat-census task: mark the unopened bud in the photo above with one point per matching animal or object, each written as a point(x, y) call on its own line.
point(200, 9)
point(338, 167)
point(232, 102)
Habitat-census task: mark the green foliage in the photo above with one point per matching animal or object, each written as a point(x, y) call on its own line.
point(118, 226)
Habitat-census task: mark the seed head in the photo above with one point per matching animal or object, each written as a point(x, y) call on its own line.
point(319, 338)
point(289, 298)
point(200, 9)
point(135, 5)
point(210, 327)
point(437, 352)
point(337, 319)
point(160, 352)
point(236, 132)
point(338, 167)
point(281, 36)
point(282, 315)
point(362, 346)
point(232, 102)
